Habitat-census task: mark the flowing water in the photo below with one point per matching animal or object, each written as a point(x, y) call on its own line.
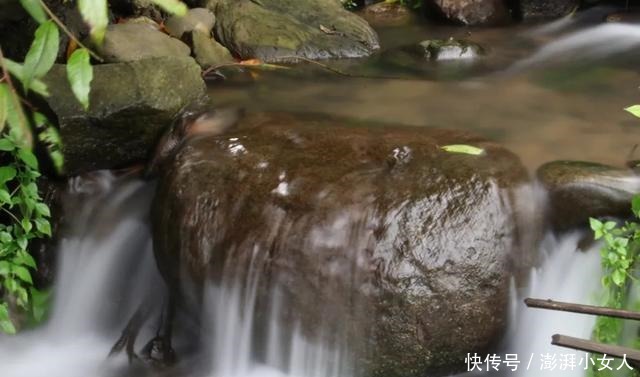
point(547, 92)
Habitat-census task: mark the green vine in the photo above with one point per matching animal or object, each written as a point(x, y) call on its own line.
point(25, 217)
point(619, 257)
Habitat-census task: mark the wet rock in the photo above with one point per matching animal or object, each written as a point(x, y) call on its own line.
point(579, 190)
point(273, 30)
point(450, 49)
point(134, 41)
point(130, 105)
point(546, 9)
point(630, 17)
point(373, 236)
point(387, 14)
point(196, 19)
point(207, 51)
point(470, 12)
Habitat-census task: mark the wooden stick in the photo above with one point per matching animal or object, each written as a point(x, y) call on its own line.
point(632, 355)
point(583, 309)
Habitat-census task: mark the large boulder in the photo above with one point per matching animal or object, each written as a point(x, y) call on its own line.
point(373, 235)
point(273, 30)
point(471, 12)
point(579, 190)
point(130, 105)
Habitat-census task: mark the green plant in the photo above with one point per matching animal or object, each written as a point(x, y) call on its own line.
point(619, 257)
point(25, 218)
point(24, 215)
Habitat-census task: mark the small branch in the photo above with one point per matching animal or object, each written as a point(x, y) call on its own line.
point(582, 309)
point(67, 32)
point(630, 354)
point(10, 214)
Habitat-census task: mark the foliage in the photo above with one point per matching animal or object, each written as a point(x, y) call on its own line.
point(619, 257)
point(634, 110)
point(25, 217)
point(463, 148)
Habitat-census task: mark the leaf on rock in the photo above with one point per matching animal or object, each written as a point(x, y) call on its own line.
point(80, 74)
point(633, 110)
point(463, 148)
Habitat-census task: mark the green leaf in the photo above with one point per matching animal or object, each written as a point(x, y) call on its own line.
point(25, 259)
point(609, 225)
point(5, 197)
point(28, 158)
point(7, 326)
point(34, 8)
point(95, 14)
point(43, 209)
point(15, 115)
point(5, 268)
point(7, 173)
point(80, 74)
point(6, 145)
point(618, 277)
point(26, 225)
point(635, 205)
point(43, 226)
point(22, 273)
point(4, 108)
point(462, 148)
point(172, 6)
point(42, 53)
point(633, 110)
point(22, 243)
point(17, 70)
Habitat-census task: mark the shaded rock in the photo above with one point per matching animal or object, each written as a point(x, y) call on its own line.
point(579, 190)
point(207, 51)
point(130, 104)
point(450, 49)
point(373, 236)
point(273, 30)
point(471, 12)
point(387, 14)
point(134, 41)
point(546, 9)
point(196, 19)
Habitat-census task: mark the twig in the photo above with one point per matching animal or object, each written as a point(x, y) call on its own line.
point(67, 32)
point(582, 309)
point(10, 214)
point(629, 354)
point(307, 60)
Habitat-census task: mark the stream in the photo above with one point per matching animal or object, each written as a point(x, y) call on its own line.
point(546, 92)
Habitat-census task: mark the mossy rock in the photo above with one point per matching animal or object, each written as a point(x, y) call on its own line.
point(130, 105)
point(374, 236)
point(275, 30)
point(450, 49)
point(579, 190)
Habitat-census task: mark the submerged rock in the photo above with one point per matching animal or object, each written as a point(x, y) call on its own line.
point(387, 14)
point(450, 49)
point(130, 105)
point(134, 41)
point(546, 9)
point(471, 12)
point(273, 30)
point(579, 190)
point(373, 236)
